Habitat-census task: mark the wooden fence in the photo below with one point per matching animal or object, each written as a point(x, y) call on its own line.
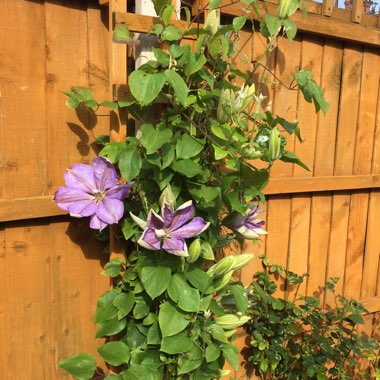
point(323, 222)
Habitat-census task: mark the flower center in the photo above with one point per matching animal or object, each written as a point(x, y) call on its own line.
point(98, 195)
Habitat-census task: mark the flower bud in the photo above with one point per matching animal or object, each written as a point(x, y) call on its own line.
point(221, 267)
point(287, 7)
point(167, 197)
point(249, 152)
point(221, 282)
point(224, 111)
point(194, 251)
point(244, 97)
point(231, 321)
point(213, 21)
point(274, 150)
point(241, 260)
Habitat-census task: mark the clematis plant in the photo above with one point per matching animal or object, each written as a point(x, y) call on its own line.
point(93, 191)
point(173, 311)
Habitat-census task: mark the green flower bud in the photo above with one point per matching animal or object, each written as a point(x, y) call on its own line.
point(249, 152)
point(241, 260)
point(224, 111)
point(244, 97)
point(221, 282)
point(287, 7)
point(274, 150)
point(167, 197)
point(221, 267)
point(194, 251)
point(231, 321)
point(213, 21)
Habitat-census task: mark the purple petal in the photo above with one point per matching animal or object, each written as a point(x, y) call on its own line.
point(155, 221)
point(81, 177)
point(97, 224)
point(182, 215)
point(104, 173)
point(76, 202)
point(118, 192)
point(176, 246)
point(191, 229)
point(167, 215)
point(110, 211)
point(251, 233)
point(149, 240)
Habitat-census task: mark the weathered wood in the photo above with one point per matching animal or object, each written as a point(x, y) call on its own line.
point(357, 11)
point(327, 7)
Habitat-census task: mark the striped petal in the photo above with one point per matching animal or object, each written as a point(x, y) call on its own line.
point(80, 177)
point(76, 202)
point(110, 211)
point(104, 173)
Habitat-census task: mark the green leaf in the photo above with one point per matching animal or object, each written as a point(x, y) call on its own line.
point(163, 158)
point(145, 87)
point(135, 338)
point(142, 372)
point(198, 278)
point(113, 267)
point(124, 303)
point(311, 91)
point(130, 164)
point(110, 327)
point(214, 4)
point(121, 34)
point(273, 24)
point(108, 104)
point(190, 361)
point(72, 103)
point(189, 299)
point(105, 310)
point(141, 309)
point(152, 139)
point(166, 13)
point(171, 33)
point(356, 318)
point(113, 151)
point(159, 5)
point(223, 131)
point(278, 304)
point(220, 153)
point(172, 321)
point(194, 64)
point(115, 353)
point(212, 352)
point(188, 146)
point(240, 297)
point(83, 92)
point(207, 251)
point(229, 352)
point(81, 366)
point(238, 22)
point(154, 334)
point(155, 280)
point(176, 344)
point(178, 84)
point(187, 167)
point(162, 57)
point(291, 157)
point(177, 283)
point(290, 28)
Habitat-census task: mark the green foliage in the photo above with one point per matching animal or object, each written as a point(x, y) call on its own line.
point(174, 317)
point(295, 338)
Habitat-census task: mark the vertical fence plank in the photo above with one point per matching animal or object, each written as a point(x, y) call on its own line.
point(22, 99)
point(362, 165)
point(357, 11)
point(324, 166)
point(344, 158)
point(327, 7)
point(311, 59)
point(26, 321)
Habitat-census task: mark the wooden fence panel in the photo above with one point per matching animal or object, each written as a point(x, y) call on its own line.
point(316, 222)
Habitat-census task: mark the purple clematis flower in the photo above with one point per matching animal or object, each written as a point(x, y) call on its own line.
point(93, 191)
point(246, 225)
point(169, 231)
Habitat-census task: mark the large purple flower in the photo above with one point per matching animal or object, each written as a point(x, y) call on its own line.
point(246, 225)
point(93, 191)
point(170, 230)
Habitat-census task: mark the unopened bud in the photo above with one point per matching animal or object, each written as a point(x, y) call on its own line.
point(274, 149)
point(231, 321)
point(241, 260)
point(226, 100)
point(213, 21)
point(167, 197)
point(221, 267)
point(222, 282)
point(287, 7)
point(194, 251)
